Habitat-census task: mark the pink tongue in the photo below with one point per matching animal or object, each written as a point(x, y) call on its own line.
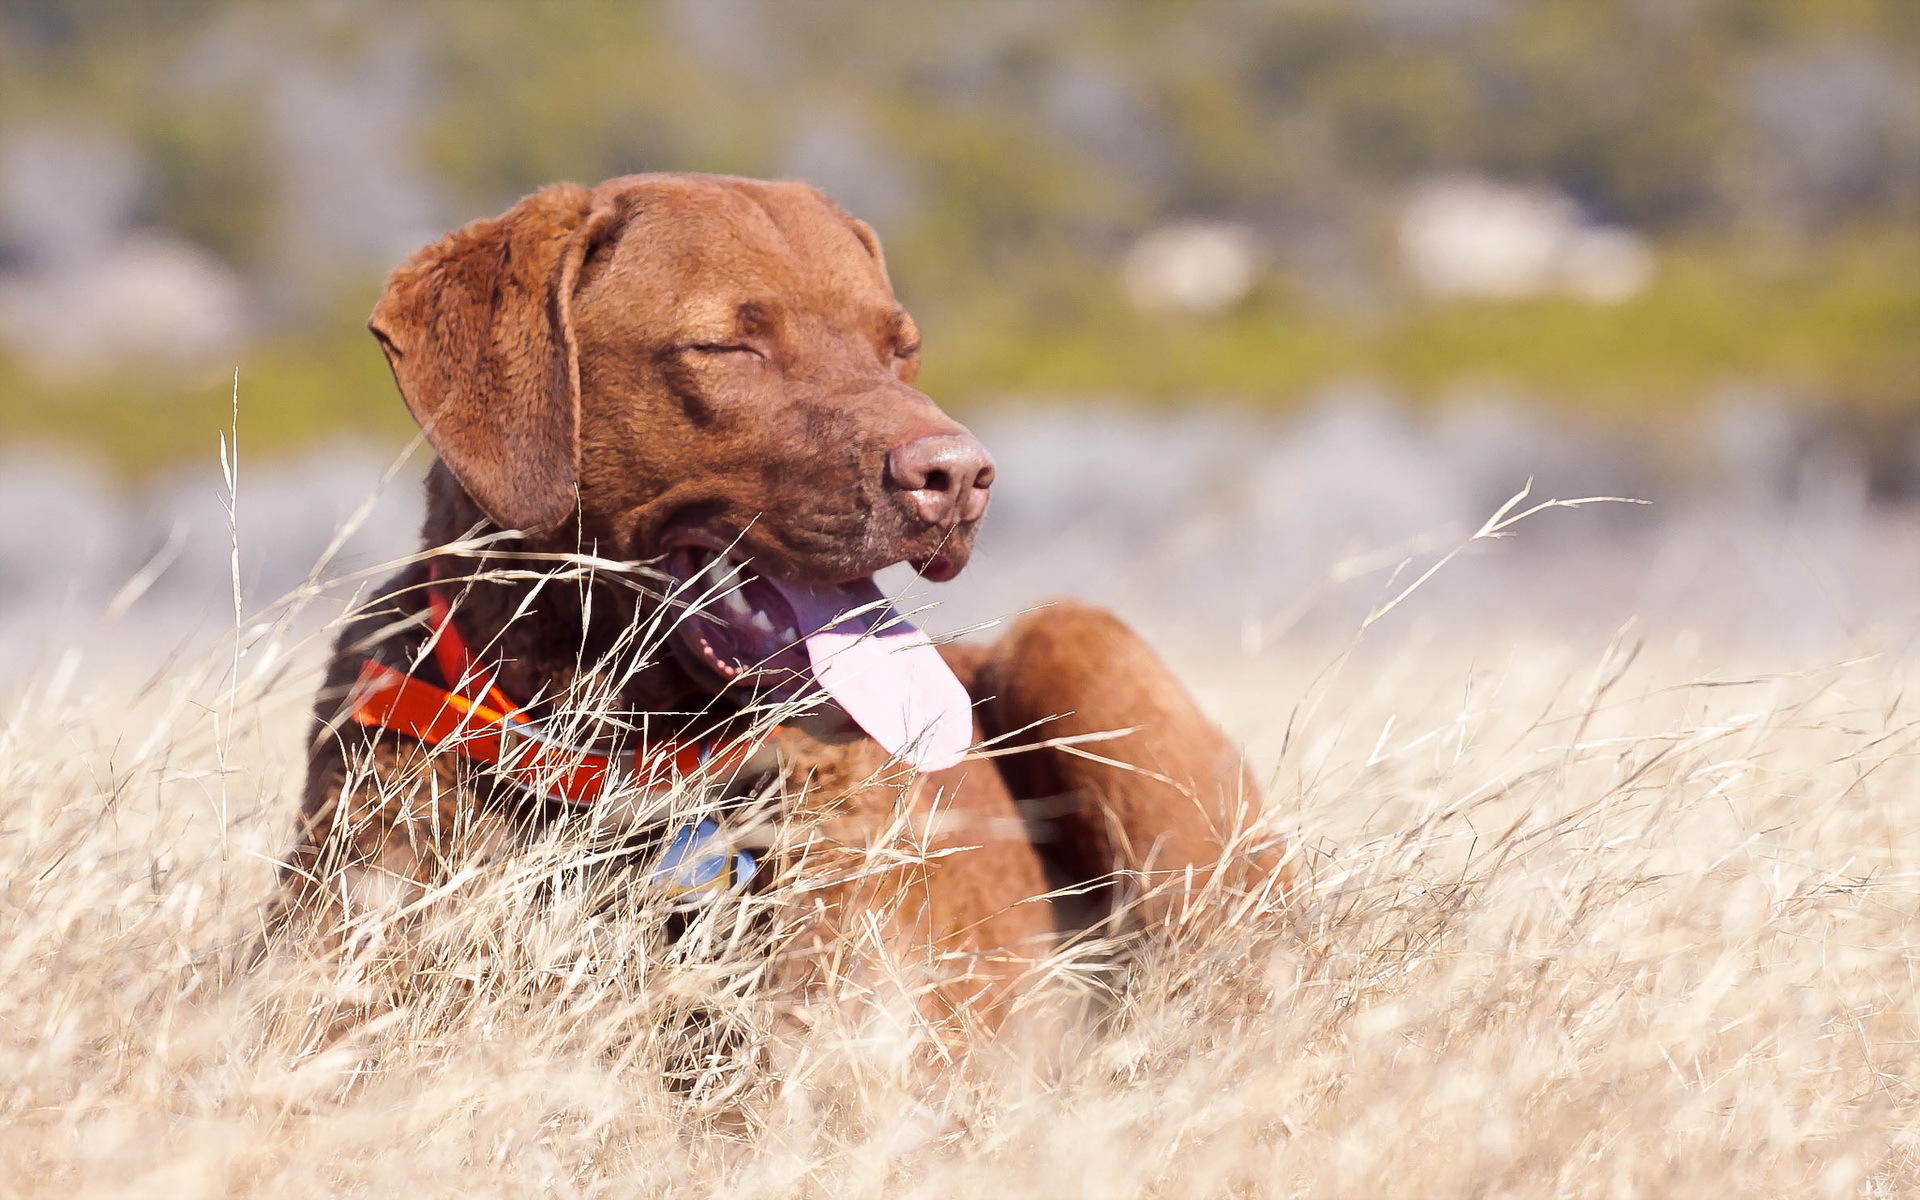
point(890, 679)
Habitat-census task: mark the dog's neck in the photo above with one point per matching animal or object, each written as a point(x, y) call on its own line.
point(541, 635)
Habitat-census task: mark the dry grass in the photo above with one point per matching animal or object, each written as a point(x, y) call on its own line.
point(1578, 924)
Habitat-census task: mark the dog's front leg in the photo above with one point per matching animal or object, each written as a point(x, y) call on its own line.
point(1160, 809)
point(925, 889)
point(377, 835)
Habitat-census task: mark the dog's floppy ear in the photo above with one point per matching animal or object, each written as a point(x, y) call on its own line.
point(478, 330)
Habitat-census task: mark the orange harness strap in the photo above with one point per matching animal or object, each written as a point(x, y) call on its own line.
point(477, 721)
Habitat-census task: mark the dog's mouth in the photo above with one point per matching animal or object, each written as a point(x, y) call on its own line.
point(737, 628)
point(777, 640)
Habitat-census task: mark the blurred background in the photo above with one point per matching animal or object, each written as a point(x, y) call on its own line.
point(1254, 301)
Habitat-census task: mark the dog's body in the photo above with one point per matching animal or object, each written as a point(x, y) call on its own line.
point(711, 373)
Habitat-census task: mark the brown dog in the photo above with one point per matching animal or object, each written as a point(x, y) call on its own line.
point(712, 375)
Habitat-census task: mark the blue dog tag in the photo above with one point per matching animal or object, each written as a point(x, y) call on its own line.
point(699, 859)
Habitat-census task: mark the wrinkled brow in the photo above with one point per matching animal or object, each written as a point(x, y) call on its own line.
point(717, 320)
point(754, 318)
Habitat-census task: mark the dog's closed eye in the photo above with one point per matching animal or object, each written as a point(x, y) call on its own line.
point(725, 348)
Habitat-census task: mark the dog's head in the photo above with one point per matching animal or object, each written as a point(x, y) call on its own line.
point(689, 368)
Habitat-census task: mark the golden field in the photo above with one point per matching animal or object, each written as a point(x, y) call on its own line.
point(1580, 919)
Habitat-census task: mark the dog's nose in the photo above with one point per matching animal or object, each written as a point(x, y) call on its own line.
point(945, 477)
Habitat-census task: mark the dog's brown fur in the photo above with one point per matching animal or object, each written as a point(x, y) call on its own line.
point(670, 356)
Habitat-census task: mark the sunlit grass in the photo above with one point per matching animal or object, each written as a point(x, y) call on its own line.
point(1577, 920)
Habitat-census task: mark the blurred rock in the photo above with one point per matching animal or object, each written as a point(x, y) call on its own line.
point(1210, 527)
point(69, 189)
point(342, 106)
point(145, 570)
point(144, 300)
point(63, 531)
point(288, 515)
point(1606, 264)
point(735, 36)
point(1099, 110)
point(91, 293)
point(1428, 18)
point(1475, 238)
point(1198, 520)
point(1354, 475)
point(1194, 266)
point(1837, 122)
point(346, 132)
point(843, 157)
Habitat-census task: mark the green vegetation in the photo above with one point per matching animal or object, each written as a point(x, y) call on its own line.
point(1011, 154)
point(321, 381)
point(1846, 324)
